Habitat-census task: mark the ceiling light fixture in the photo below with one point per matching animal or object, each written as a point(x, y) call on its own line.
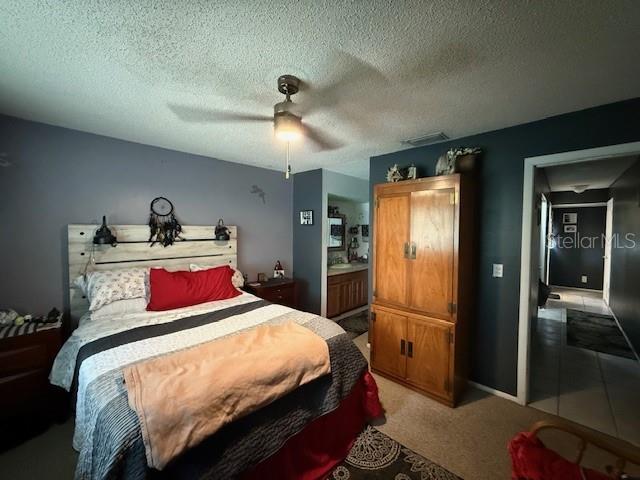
point(286, 125)
point(579, 188)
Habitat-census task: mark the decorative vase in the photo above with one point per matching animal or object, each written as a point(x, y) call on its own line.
point(465, 163)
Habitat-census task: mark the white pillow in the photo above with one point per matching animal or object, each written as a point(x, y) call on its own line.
point(107, 286)
point(237, 280)
point(121, 307)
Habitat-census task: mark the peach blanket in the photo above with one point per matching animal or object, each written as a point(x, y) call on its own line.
point(184, 397)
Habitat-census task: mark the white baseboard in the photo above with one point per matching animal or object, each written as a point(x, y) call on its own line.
point(493, 391)
point(593, 290)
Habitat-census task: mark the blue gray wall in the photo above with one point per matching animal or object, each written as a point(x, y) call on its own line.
point(307, 239)
point(62, 176)
point(581, 253)
point(500, 178)
point(625, 254)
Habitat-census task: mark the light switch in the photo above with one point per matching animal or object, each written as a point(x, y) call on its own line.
point(583, 279)
point(497, 270)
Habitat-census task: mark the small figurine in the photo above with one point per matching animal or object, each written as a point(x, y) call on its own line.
point(393, 174)
point(278, 271)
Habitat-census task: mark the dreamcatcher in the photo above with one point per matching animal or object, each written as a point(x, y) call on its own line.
point(163, 224)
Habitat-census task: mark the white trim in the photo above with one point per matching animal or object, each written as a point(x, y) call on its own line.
point(581, 205)
point(493, 391)
point(608, 235)
point(323, 217)
point(530, 165)
point(578, 289)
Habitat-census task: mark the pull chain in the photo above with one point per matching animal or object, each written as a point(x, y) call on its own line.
point(287, 171)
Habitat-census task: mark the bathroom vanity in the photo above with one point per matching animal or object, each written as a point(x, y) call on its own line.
point(347, 287)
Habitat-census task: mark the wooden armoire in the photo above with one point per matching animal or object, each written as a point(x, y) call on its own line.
point(423, 283)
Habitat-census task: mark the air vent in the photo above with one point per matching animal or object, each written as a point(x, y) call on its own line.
point(426, 139)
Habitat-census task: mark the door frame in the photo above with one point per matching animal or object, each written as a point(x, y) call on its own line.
point(545, 207)
point(548, 245)
point(528, 217)
point(608, 233)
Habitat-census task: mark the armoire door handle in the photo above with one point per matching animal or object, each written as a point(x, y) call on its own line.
point(414, 249)
point(401, 346)
point(410, 350)
point(406, 249)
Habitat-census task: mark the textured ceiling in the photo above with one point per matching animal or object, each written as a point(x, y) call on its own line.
point(595, 174)
point(406, 68)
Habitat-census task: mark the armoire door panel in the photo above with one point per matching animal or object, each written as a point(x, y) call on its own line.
point(388, 335)
point(391, 235)
point(432, 251)
point(428, 355)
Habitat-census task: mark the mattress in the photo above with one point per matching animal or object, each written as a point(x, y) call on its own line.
point(107, 432)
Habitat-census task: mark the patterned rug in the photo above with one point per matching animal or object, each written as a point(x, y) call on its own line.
point(376, 456)
point(596, 332)
point(356, 324)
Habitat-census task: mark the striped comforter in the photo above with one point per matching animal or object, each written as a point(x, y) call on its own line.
point(107, 433)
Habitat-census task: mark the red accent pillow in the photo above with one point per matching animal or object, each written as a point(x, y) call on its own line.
point(171, 290)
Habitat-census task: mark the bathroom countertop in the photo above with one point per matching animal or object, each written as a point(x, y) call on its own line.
point(353, 267)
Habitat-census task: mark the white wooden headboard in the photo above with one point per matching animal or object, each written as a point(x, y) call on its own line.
point(134, 250)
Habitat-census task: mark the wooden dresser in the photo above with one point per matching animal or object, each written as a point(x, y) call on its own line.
point(346, 291)
point(423, 283)
point(276, 290)
point(28, 402)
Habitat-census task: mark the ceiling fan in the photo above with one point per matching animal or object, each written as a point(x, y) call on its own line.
point(287, 121)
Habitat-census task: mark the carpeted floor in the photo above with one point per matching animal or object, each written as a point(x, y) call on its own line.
point(596, 332)
point(469, 441)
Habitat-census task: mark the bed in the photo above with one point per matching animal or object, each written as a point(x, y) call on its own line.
point(300, 435)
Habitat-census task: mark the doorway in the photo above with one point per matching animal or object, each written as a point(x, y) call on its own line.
point(590, 403)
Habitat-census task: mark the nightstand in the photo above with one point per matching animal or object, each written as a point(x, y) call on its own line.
point(276, 290)
point(28, 402)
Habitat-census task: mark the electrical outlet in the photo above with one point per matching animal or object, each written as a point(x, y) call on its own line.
point(497, 270)
point(583, 279)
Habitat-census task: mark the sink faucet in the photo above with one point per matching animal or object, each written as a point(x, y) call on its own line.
point(335, 260)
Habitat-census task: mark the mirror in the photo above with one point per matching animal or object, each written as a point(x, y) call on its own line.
point(336, 233)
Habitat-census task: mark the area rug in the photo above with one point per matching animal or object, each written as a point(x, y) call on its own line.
point(356, 324)
point(596, 332)
point(376, 456)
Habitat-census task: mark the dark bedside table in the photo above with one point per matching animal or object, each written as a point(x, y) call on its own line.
point(276, 290)
point(28, 402)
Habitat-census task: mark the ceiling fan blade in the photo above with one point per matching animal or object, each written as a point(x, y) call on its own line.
point(205, 115)
point(353, 74)
point(321, 140)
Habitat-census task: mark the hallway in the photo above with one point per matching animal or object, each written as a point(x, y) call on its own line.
point(595, 389)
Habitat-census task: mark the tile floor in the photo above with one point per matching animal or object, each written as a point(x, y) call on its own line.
point(594, 389)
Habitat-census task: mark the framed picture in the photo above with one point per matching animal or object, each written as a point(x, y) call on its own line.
point(262, 277)
point(570, 228)
point(306, 217)
point(569, 218)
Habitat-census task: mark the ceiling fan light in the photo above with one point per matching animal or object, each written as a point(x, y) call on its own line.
point(580, 188)
point(287, 127)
